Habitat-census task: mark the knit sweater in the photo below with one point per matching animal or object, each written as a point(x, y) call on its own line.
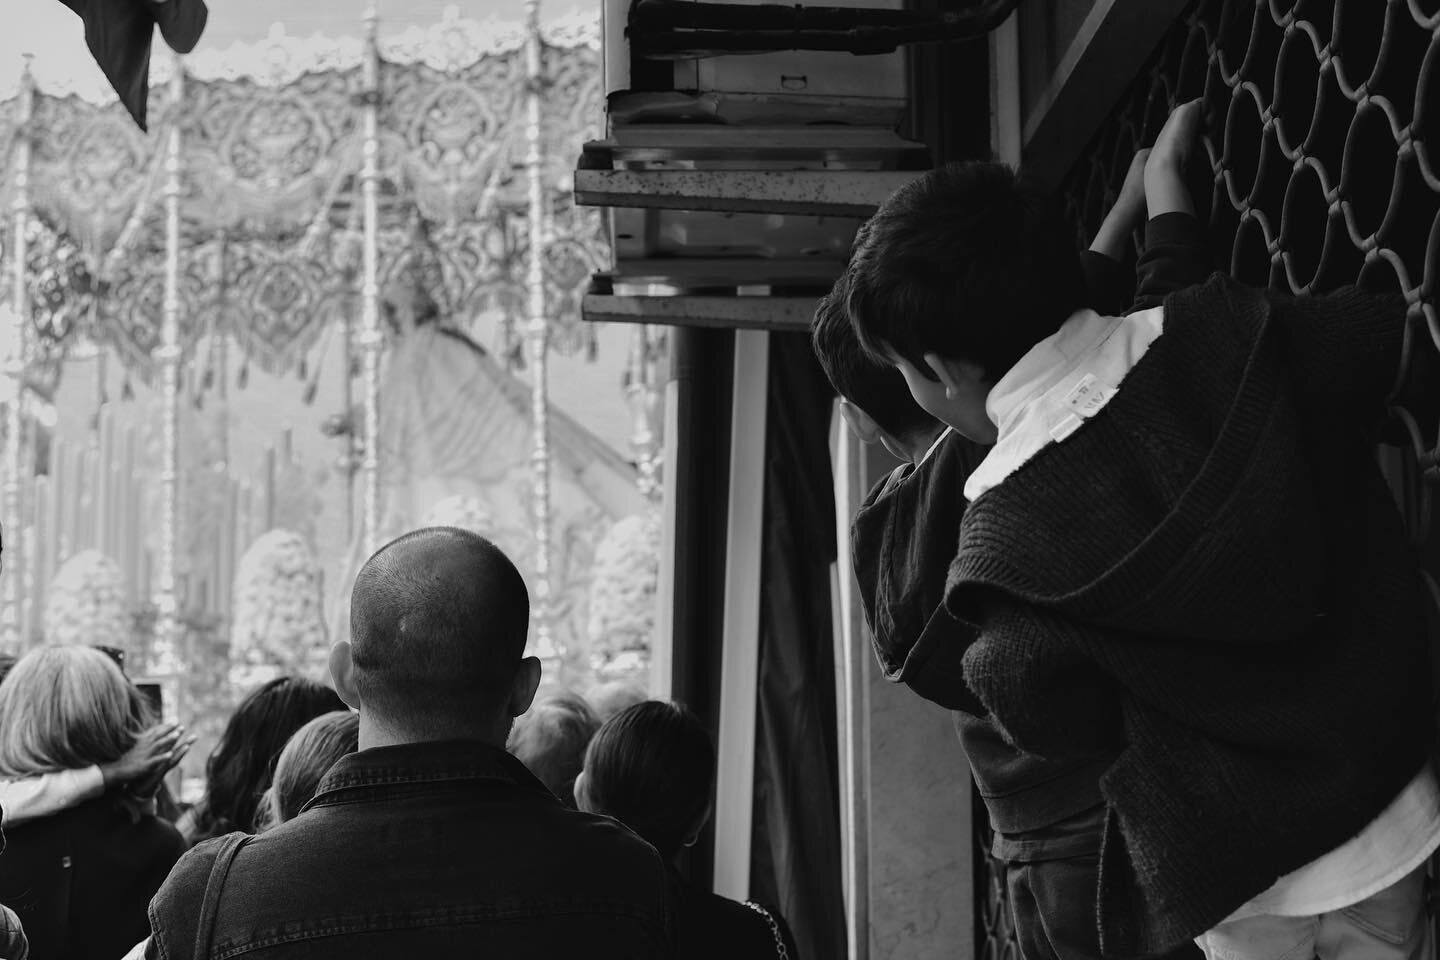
point(1211, 576)
point(905, 534)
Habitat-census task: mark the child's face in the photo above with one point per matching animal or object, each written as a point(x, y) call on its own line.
point(957, 398)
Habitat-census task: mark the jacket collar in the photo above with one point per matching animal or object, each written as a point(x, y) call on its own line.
point(431, 762)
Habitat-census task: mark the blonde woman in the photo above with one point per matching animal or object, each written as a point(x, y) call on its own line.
point(80, 879)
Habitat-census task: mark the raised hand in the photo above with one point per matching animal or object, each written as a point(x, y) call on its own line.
point(154, 753)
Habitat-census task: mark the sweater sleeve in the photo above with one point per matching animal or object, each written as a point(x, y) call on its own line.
point(1010, 666)
point(1346, 347)
point(1108, 285)
point(1175, 257)
point(36, 797)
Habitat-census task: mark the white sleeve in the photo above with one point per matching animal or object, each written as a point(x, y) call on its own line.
point(35, 797)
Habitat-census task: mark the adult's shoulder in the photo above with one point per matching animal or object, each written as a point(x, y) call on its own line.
point(193, 867)
point(175, 908)
point(590, 833)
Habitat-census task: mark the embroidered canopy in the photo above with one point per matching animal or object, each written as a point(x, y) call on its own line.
point(271, 148)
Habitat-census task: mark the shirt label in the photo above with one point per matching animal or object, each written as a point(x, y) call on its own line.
point(1065, 427)
point(1089, 396)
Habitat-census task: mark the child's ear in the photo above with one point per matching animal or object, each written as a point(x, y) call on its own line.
point(859, 422)
point(960, 378)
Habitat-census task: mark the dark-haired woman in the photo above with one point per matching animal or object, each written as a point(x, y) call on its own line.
point(241, 766)
point(652, 767)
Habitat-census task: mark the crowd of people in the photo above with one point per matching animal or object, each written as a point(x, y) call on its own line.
point(435, 799)
point(1138, 544)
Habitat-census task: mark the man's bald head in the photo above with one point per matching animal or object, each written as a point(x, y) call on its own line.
point(438, 620)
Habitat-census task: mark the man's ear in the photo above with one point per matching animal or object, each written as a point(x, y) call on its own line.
point(523, 687)
point(859, 422)
point(342, 673)
point(960, 378)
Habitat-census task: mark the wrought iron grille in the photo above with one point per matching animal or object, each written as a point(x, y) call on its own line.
point(1320, 167)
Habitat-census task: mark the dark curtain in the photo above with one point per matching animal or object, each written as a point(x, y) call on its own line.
point(702, 367)
point(795, 844)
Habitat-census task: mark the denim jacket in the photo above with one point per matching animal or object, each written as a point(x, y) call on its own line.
point(433, 850)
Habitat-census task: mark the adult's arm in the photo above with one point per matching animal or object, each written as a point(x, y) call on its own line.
point(1346, 347)
point(36, 797)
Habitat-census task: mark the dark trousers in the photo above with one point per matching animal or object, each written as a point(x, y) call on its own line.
point(1052, 878)
point(1054, 906)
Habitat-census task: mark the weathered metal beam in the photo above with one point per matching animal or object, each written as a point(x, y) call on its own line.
point(701, 141)
point(1109, 49)
point(736, 313)
point(834, 193)
point(689, 273)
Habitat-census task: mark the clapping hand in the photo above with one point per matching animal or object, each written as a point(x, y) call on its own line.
point(154, 754)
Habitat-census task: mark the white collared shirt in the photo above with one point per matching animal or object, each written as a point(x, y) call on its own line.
point(1061, 382)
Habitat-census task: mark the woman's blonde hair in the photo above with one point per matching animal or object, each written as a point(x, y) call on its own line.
point(65, 707)
point(307, 757)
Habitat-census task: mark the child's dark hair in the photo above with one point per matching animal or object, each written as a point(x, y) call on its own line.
point(652, 767)
point(876, 388)
point(965, 263)
point(241, 766)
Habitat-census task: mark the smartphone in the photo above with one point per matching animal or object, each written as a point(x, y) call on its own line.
point(155, 693)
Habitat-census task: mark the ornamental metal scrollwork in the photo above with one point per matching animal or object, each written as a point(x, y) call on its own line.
point(1318, 170)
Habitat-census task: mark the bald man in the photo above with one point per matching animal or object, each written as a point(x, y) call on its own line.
point(432, 841)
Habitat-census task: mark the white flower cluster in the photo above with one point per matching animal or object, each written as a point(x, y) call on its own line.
point(85, 603)
point(278, 625)
point(461, 511)
point(625, 577)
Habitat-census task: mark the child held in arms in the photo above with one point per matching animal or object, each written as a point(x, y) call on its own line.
point(1046, 814)
point(1179, 552)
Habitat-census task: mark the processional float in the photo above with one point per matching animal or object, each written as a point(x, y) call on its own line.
point(283, 187)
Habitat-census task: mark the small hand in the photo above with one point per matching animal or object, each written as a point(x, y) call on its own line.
point(146, 787)
point(153, 751)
